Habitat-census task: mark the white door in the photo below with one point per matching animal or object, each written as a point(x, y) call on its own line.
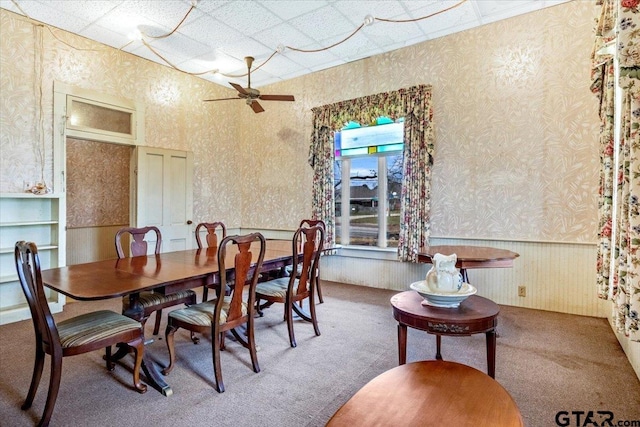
point(162, 190)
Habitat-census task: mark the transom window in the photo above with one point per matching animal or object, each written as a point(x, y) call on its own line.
point(368, 181)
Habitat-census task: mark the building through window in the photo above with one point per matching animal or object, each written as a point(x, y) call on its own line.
point(368, 180)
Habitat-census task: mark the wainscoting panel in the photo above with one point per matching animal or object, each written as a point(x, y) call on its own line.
point(558, 276)
point(87, 244)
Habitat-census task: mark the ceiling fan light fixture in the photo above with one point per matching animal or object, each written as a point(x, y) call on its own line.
point(251, 95)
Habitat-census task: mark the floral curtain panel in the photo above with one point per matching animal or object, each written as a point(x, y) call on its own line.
point(414, 104)
point(603, 82)
point(624, 236)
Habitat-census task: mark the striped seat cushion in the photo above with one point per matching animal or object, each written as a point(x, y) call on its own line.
point(150, 299)
point(289, 269)
point(92, 327)
point(202, 314)
point(276, 287)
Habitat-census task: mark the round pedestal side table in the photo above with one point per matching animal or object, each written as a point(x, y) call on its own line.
point(474, 315)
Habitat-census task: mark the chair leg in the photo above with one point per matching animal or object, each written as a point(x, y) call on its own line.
point(215, 354)
point(138, 349)
point(312, 312)
point(319, 291)
point(35, 378)
point(156, 327)
point(169, 338)
point(194, 338)
point(54, 386)
point(252, 346)
point(110, 365)
point(258, 309)
point(289, 318)
point(205, 293)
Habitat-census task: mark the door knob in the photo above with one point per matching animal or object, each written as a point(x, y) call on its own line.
point(189, 222)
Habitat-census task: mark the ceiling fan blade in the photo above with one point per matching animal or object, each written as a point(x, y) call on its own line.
point(219, 99)
point(277, 97)
point(257, 108)
point(239, 88)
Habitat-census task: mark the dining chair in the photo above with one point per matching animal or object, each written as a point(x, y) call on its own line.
point(211, 239)
point(70, 337)
point(150, 301)
point(289, 269)
point(308, 242)
point(225, 312)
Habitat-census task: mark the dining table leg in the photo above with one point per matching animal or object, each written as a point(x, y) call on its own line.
point(153, 376)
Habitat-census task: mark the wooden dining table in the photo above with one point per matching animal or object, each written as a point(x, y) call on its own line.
point(167, 272)
point(470, 256)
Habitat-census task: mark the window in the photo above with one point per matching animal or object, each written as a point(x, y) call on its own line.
point(94, 116)
point(368, 180)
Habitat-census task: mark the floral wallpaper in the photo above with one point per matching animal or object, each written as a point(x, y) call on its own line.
point(516, 150)
point(97, 183)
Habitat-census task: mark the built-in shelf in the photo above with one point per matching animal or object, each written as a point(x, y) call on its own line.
point(35, 218)
point(26, 223)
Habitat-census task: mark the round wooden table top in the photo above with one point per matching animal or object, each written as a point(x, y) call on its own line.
point(469, 253)
point(474, 315)
point(430, 393)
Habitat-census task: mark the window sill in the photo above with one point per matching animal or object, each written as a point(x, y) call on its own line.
point(369, 252)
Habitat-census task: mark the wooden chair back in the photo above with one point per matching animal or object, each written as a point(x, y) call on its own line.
point(212, 236)
point(244, 273)
point(28, 267)
point(313, 222)
point(138, 243)
point(308, 242)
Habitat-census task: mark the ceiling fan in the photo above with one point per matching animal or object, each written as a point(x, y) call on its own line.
point(251, 95)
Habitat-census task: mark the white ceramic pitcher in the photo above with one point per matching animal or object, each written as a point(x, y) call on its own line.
point(443, 275)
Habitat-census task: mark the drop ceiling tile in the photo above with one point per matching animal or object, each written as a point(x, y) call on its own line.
point(357, 47)
point(108, 37)
point(211, 31)
point(452, 18)
point(490, 7)
point(288, 9)
point(311, 60)
point(167, 13)
point(126, 23)
point(248, 17)
point(356, 13)
point(280, 64)
point(387, 33)
point(260, 78)
point(9, 5)
point(173, 57)
point(283, 34)
point(248, 47)
point(323, 22)
point(48, 14)
point(502, 11)
point(295, 74)
point(182, 45)
point(89, 10)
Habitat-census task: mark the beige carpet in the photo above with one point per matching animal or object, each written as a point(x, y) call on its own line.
point(549, 362)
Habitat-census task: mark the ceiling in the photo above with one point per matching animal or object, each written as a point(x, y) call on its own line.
point(218, 34)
